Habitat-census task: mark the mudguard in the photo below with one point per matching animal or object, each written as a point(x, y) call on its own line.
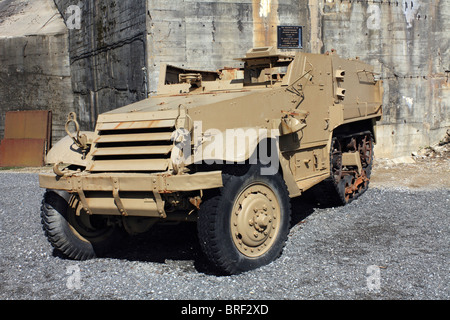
point(240, 145)
point(67, 152)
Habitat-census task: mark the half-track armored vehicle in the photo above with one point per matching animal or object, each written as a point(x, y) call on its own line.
point(227, 149)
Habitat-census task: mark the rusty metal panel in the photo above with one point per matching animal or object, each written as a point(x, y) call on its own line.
point(27, 124)
point(27, 138)
point(22, 152)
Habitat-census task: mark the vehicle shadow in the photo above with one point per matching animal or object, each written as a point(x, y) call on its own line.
point(303, 206)
point(179, 241)
point(163, 243)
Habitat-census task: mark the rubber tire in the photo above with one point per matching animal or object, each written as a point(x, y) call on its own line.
point(60, 234)
point(214, 230)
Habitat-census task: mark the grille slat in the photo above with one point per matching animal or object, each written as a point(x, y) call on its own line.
point(132, 150)
point(134, 145)
point(136, 125)
point(130, 165)
point(155, 136)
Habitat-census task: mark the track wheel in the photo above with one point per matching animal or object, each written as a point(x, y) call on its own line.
point(343, 186)
point(365, 148)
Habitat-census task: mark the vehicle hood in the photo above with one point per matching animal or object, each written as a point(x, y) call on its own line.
point(165, 102)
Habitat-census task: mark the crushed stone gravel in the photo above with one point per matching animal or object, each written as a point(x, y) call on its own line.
point(392, 243)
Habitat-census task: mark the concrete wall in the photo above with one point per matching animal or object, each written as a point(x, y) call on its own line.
point(98, 66)
point(408, 43)
point(209, 34)
point(107, 53)
point(34, 61)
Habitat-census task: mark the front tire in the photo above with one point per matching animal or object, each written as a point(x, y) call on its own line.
point(245, 224)
point(71, 231)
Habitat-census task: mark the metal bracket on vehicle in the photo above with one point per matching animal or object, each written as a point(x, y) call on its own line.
point(352, 159)
point(293, 121)
point(181, 138)
point(159, 204)
point(81, 195)
point(116, 196)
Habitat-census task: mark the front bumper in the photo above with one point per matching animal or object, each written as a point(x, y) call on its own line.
point(133, 194)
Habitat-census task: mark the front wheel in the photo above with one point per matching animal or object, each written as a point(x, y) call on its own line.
point(71, 231)
point(245, 224)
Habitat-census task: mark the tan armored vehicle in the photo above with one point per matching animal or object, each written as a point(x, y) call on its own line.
point(227, 149)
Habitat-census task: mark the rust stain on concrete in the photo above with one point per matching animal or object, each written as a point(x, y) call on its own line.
point(265, 22)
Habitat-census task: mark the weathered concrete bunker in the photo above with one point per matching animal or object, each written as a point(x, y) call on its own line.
point(93, 56)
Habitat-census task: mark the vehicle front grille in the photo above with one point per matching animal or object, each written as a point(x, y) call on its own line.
point(135, 143)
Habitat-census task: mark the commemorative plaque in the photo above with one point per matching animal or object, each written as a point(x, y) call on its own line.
point(289, 37)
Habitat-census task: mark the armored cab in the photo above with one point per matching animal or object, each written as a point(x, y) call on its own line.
point(226, 149)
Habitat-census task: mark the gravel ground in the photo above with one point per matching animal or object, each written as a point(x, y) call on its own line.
point(392, 243)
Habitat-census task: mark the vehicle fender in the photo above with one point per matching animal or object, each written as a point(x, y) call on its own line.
point(240, 145)
point(230, 146)
point(67, 152)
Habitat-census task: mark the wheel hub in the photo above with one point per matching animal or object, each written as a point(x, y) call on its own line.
point(82, 224)
point(255, 220)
